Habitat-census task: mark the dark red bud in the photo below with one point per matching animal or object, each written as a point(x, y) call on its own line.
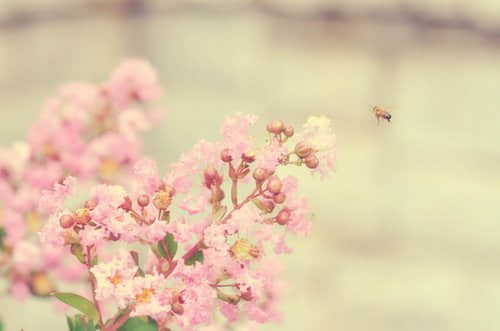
point(225, 155)
point(143, 200)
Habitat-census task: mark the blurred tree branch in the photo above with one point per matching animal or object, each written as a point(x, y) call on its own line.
point(418, 19)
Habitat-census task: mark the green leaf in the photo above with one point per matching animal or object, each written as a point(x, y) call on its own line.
point(135, 257)
point(139, 324)
point(94, 261)
point(71, 325)
point(91, 326)
point(2, 246)
point(171, 246)
point(77, 251)
point(80, 303)
point(79, 324)
point(196, 257)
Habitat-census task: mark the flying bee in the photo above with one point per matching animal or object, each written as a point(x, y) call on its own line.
point(380, 112)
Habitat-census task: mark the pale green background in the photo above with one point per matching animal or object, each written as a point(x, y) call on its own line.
point(406, 234)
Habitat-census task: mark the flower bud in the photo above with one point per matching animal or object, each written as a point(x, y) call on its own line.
point(268, 205)
point(247, 295)
point(66, 221)
point(283, 217)
point(289, 131)
point(260, 174)
point(274, 185)
point(91, 203)
point(276, 127)
point(243, 172)
point(303, 149)
point(219, 194)
point(143, 200)
point(248, 157)
point(127, 204)
point(162, 200)
point(225, 155)
point(312, 161)
point(177, 308)
point(212, 177)
point(82, 216)
point(279, 198)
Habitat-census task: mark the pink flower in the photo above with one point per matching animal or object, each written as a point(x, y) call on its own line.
point(19, 290)
point(318, 133)
point(53, 199)
point(133, 80)
point(148, 296)
point(235, 134)
point(231, 312)
point(114, 279)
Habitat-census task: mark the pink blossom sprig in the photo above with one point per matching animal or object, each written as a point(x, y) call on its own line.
point(88, 131)
point(211, 228)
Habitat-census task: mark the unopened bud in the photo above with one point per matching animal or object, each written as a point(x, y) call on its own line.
point(212, 177)
point(177, 308)
point(274, 185)
point(276, 127)
point(218, 194)
point(66, 221)
point(279, 198)
point(127, 204)
point(162, 200)
point(143, 200)
point(303, 149)
point(225, 155)
point(289, 131)
point(312, 161)
point(82, 216)
point(283, 217)
point(91, 203)
point(248, 157)
point(260, 174)
point(247, 295)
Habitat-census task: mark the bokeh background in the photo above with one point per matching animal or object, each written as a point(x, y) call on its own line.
point(406, 234)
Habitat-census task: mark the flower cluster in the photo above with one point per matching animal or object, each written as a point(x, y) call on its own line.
point(88, 131)
point(208, 231)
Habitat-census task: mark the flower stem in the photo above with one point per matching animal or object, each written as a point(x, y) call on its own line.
point(94, 285)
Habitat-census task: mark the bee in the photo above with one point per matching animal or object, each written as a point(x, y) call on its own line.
point(380, 112)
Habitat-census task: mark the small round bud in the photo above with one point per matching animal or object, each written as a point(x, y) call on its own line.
point(283, 217)
point(162, 200)
point(247, 295)
point(279, 198)
point(274, 185)
point(276, 127)
point(248, 157)
point(82, 216)
point(143, 200)
point(127, 204)
point(212, 177)
point(260, 174)
point(225, 155)
point(66, 221)
point(312, 161)
point(303, 149)
point(289, 131)
point(91, 203)
point(177, 308)
point(268, 205)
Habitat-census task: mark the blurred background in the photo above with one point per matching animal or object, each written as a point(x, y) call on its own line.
point(406, 234)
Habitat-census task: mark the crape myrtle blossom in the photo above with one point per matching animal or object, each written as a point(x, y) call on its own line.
point(91, 132)
point(211, 228)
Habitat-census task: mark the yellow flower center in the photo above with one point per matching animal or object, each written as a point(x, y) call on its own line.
point(244, 250)
point(144, 296)
point(115, 279)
